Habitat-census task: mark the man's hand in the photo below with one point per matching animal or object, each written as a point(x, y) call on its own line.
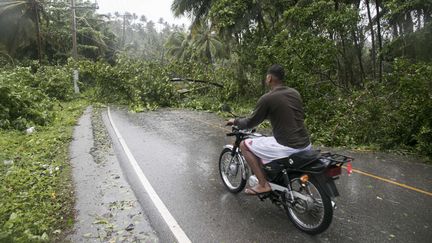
point(230, 122)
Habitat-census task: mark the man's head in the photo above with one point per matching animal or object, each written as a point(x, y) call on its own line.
point(275, 75)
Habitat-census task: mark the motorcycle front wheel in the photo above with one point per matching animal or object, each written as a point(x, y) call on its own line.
point(314, 212)
point(231, 171)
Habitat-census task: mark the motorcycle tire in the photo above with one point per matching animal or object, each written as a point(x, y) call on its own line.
point(327, 211)
point(225, 155)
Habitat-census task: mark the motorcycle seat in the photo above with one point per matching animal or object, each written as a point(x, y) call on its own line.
point(299, 159)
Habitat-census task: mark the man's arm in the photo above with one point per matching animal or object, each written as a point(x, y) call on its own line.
point(259, 115)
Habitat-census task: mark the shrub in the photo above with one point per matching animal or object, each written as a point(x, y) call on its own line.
point(131, 82)
point(55, 81)
point(22, 106)
point(392, 114)
point(411, 105)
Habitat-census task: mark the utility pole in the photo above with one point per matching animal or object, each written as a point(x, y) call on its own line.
point(75, 74)
point(74, 38)
point(35, 8)
point(74, 47)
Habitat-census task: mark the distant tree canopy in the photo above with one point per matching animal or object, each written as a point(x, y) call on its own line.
point(38, 29)
point(341, 41)
point(361, 66)
point(344, 42)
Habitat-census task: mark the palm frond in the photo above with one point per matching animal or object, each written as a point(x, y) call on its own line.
point(10, 6)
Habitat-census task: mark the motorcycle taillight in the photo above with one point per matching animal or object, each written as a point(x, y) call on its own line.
point(349, 168)
point(334, 171)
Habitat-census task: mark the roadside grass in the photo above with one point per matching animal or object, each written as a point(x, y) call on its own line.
point(36, 202)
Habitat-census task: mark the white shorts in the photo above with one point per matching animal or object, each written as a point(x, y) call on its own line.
point(268, 149)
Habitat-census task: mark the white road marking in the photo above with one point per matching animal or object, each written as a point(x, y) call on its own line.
point(175, 228)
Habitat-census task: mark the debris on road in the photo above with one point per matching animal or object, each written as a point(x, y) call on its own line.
point(104, 204)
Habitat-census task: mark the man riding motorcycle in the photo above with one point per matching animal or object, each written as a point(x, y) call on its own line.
point(283, 106)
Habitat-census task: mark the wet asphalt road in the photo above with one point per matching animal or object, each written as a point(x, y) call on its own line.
point(178, 150)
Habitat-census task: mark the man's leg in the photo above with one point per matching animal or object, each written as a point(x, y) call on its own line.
point(255, 165)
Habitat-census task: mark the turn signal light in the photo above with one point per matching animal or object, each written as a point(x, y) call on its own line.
point(304, 178)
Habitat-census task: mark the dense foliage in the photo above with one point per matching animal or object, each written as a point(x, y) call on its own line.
point(35, 180)
point(27, 96)
point(363, 68)
point(38, 29)
point(390, 115)
point(148, 85)
point(22, 106)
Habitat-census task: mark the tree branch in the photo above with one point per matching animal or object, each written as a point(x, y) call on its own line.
point(196, 81)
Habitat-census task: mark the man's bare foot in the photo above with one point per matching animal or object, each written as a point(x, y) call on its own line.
point(258, 189)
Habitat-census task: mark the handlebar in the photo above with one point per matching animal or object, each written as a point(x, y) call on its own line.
point(243, 132)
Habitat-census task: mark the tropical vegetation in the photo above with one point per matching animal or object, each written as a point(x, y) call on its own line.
point(363, 68)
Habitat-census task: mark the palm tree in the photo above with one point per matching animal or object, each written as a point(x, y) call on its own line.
point(117, 14)
point(178, 45)
point(202, 44)
point(206, 44)
point(198, 9)
point(134, 17)
point(20, 18)
point(91, 34)
point(160, 21)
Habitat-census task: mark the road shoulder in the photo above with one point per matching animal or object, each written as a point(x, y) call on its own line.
point(106, 207)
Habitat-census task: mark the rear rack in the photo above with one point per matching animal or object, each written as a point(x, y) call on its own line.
point(336, 158)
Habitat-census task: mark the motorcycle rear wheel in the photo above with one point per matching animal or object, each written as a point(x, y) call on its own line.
point(320, 210)
point(231, 171)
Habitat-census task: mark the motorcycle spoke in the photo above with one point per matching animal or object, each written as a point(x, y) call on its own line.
point(307, 213)
point(231, 171)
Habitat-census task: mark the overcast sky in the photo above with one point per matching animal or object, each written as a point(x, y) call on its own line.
point(152, 9)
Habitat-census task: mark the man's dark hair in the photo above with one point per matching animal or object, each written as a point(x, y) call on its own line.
point(277, 71)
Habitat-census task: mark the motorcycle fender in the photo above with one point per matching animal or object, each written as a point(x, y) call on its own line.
point(228, 146)
point(328, 185)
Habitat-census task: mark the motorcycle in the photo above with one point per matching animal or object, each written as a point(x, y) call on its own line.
point(302, 184)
